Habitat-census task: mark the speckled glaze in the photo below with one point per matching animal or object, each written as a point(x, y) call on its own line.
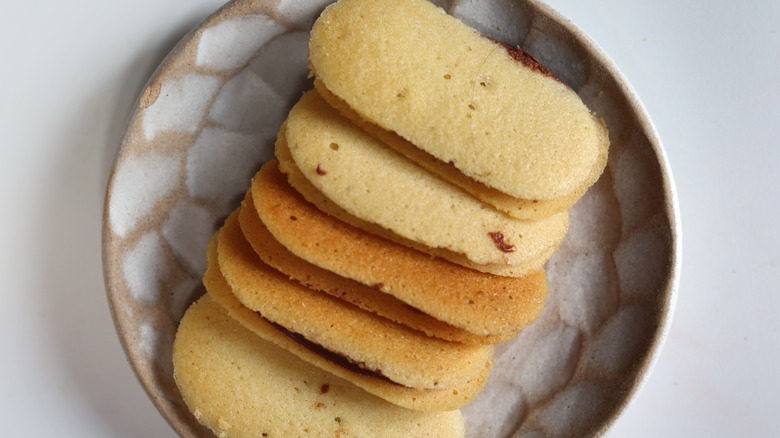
point(207, 120)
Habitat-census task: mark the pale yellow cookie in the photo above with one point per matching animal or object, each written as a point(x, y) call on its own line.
point(368, 298)
point(410, 68)
point(425, 400)
point(480, 303)
point(373, 183)
point(528, 209)
point(402, 355)
point(240, 386)
point(311, 194)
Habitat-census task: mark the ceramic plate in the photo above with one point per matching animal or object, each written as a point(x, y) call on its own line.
point(207, 120)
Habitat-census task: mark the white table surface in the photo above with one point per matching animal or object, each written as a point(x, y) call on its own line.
point(708, 73)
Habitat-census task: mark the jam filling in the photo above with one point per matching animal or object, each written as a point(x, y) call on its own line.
point(525, 58)
point(331, 356)
point(498, 239)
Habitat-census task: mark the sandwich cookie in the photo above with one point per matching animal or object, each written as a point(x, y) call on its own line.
point(527, 209)
point(368, 298)
point(369, 181)
point(426, 400)
point(483, 304)
point(317, 198)
point(402, 355)
point(494, 114)
point(240, 385)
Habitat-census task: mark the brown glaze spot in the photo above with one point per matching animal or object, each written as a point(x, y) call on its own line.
point(319, 405)
point(150, 95)
point(525, 58)
point(293, 218)
point(498, 239)
point(324, 388)
point(321, 171)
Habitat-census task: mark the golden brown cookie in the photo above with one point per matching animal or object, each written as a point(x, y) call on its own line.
point(402, 355)
point(481, 303)
point(365, 297)
point(427, 400)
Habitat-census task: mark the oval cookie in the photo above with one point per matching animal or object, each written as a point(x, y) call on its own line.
point(240, 385)
point(373, 183)
point(369, 298)
point(412, 69)
point(481, 303)
point(402, 355)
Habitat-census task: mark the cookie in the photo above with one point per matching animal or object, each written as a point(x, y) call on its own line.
point(480, 303)
point(402, 355)
point(239, 385)
point(527, 209)
point(314, 196)
point(424, 400)
point(365, 297)
point(369, 181)
point(493, 114)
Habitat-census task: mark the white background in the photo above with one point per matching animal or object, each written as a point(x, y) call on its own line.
point(708, 73)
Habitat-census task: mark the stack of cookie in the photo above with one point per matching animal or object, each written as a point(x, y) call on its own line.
point(399, 234)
